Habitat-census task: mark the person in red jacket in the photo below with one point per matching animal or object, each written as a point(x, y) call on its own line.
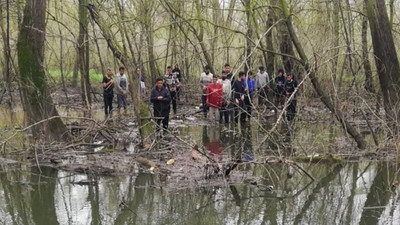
point(214, 99)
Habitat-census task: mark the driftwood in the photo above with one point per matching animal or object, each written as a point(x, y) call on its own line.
point(146, 162)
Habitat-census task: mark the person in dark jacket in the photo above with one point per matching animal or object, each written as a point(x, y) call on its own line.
point(178, 74)
point(239, 91)
point(280, 89)
point(108, 92)
point(290, 87)
point(161, 99)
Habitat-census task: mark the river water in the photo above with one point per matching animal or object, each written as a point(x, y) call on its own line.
point(347, 193)
point(343, 193)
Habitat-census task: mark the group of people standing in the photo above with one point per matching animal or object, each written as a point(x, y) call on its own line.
point(120, 84)
point(226, 99)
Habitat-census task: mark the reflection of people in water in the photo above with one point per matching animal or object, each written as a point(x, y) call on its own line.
point(238, 146)
point(213, 144)
point(248, 155)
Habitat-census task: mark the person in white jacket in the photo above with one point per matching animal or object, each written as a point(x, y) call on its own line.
point(224, 111)
point(205, 79)
point(121, 87)
point(262, 84)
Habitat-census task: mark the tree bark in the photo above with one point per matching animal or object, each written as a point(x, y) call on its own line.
point(248, 4)
point(5, 33)
point(270, 65)
point(368, 85)
point(61, 63)
point(147, 8)
point(36, 94)
point(352, 131)
point(386, 60)
point(83, 45)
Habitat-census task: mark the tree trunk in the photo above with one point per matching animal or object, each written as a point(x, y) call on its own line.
point(5, 33)
point(335, 39)
point(286, 47)
point(83, 45)
point(147, 8)
point(248, 4)
point(141, 109)
point(61, 55)
point(324, 96)
point(368, 85)
point(37, 99)
point(270, 65)
point(103, 68)
point(76, 69)
point(386, 60)
point(200, 36)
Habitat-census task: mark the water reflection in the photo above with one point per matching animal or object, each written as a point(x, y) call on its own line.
point(233, 143)
point(353, 193)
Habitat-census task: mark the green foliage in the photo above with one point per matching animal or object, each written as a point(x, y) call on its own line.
point(55, 76)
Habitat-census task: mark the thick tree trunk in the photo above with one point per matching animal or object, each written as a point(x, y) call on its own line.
point(141, 109)
point(200, 36)
point(286, 47)
point(61, 63)
point(83, 45)
point(386, 60)
point(38, 103)
point(324, 96)
point(368, 85)
point(5, 33)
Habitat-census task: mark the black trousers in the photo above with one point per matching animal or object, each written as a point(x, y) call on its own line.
point(262, 95)
point(291, 110)
point(248, 100)
point(173, 98)
point(164, 121)
point(240, 112)
point(224, 113)
point(178, 93)
point(204, 103)
point(108, 99)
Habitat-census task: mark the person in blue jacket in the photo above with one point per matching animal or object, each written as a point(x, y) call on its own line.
point(250, 89)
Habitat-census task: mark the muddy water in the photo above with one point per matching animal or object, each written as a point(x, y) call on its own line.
point(346, 193)
point(351, 193)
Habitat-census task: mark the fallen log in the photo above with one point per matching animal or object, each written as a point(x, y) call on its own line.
point(146, 162)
